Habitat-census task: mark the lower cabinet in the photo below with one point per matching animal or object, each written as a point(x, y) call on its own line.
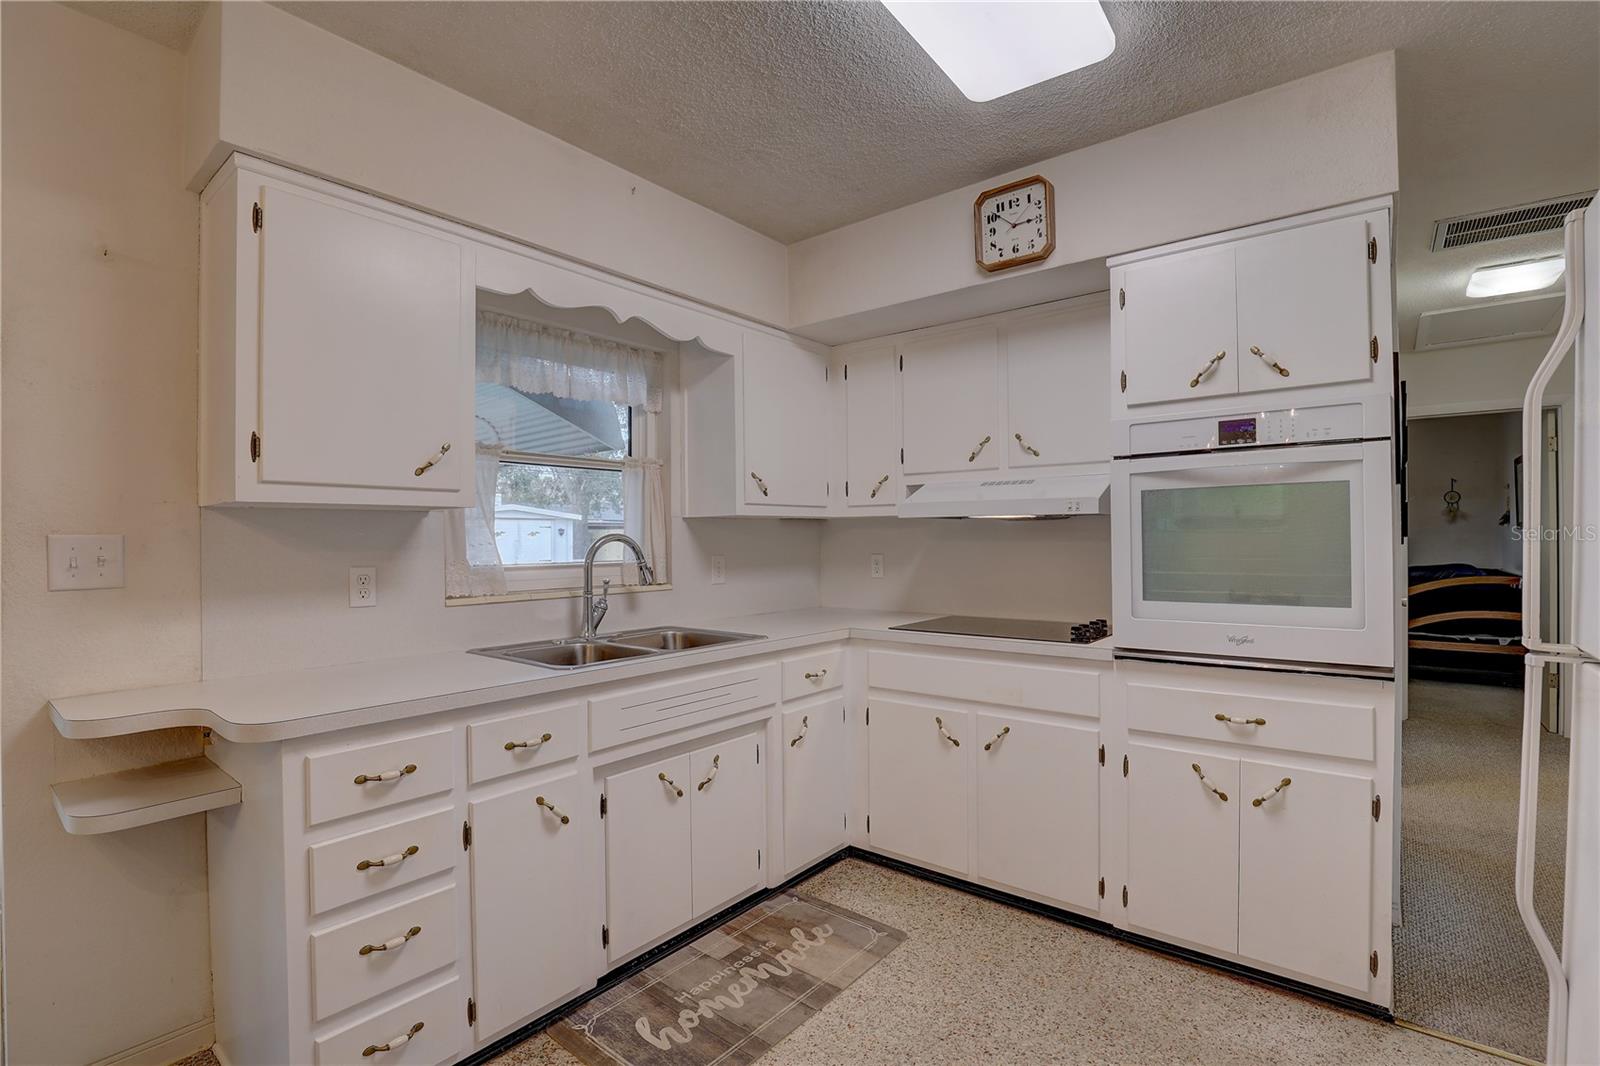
point(530, 947)
point(684, 836)
point(816, 782)
point(1039, 807)
point(917, 782)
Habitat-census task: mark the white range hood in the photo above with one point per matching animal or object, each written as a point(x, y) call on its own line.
point(1009, 496)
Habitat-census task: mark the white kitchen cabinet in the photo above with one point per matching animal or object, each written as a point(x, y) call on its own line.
point(871, 396)
point(1179, 327)
point(1183, 845)
point(336, 348)
point(917, 782)
point(649, 885)
point(816, 782)
point(729, 822)
point(1056, 366)
point(531, 946)
point(1039, 807)
point(1303, 306)
point(950, 401)
point(1305, 870)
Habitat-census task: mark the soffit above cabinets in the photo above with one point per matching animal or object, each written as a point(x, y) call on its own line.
point(1527, 316)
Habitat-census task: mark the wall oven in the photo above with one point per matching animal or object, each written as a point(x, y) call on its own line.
point(1265, 536)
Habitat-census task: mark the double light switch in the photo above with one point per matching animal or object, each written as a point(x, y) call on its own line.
point(85, 561)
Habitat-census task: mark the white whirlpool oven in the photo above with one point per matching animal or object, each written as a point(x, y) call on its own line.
point(1266, 535)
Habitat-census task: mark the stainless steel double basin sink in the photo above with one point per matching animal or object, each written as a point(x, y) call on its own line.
point(575, 653)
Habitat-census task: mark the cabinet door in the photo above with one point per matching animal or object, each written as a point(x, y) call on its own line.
point(647, 853)
point(1039, 807)
point(815, 782)
point(531, 945)
point(363, 366)
point(730, 822)
point(1304, 305)
point(917, 782)
point(950, 402)
point(1178, 317)
point(1305, 871)
point(1056, 369)
point(1183, 846)
point(872, 428)
point(785, 423)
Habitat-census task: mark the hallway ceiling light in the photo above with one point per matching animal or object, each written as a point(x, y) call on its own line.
point(992, 49)
point(1516, 277)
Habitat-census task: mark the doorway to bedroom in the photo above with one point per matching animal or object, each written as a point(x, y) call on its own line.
point(1464, 965)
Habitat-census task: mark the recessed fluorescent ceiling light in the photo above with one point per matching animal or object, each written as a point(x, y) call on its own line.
point(1516, 277)
point(991, 49)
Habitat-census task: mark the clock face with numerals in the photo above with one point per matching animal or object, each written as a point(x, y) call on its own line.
point(1015, 224)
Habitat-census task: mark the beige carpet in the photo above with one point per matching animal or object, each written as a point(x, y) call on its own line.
point(1463, 962)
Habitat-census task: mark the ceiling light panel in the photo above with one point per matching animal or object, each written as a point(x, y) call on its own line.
point(1516, 277)
point(993, 49)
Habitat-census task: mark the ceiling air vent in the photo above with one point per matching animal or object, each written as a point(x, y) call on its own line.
point(1507, 222)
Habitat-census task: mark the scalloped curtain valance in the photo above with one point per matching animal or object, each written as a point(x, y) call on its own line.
point(532, 357)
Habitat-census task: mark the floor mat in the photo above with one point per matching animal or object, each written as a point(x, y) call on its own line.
point(729, 996)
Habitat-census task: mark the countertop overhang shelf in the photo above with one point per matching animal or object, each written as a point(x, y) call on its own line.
point(143, 796)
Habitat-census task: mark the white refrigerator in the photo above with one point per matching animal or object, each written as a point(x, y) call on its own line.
point(1574, 973)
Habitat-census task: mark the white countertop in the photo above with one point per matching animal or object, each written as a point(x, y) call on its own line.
point(263, 708)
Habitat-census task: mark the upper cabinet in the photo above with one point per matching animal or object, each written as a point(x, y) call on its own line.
point(1288, 305)
point(869, 387)
point(1057, 363)
point(950, 403)
point(336, 349)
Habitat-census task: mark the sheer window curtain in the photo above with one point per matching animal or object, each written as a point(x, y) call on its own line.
point(537, 358)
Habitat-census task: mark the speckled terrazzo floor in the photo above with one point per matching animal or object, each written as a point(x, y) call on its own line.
point(979, 982)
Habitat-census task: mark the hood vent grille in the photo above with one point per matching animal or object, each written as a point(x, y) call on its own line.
point(1538, 217)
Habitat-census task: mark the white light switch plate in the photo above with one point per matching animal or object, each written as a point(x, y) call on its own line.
point(85, 561)
point(363, 586)
point(719, 569)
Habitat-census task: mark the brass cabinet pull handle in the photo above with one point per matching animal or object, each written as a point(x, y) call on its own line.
point(1279, 787)
point(513, 745)
point(882, 481)
point(996, 738)
point(434, 460)
point(552, 808)
point(816, 675)
point(716, 764)
point(1232, 720)
point(974, 456)
point(392, 943)
point(670, 783)
point(943, 732)
point(805, 726)
point(1030, 449)
point(386, 775)
point(1205, 371)
point(762, 485)
point(389, 860)
point(1282, 370)
point(1206, 781)
point(394, 1043)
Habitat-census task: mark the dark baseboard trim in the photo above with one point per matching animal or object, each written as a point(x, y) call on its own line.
point(615, 977)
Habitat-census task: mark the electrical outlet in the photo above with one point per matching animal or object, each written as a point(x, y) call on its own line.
point(877, 566)
point(719, 569)
point(363, 586)
point(89, 561)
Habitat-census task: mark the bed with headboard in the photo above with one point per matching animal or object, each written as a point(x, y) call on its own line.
point(1464, 623)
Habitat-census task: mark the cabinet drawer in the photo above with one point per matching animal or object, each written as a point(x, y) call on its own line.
point(343, 976)
point(1066, 689)
point(337, 876)
point(1321, 716)
point(661, 708)
point(435, 1015)
point(522, 741)
point(370, 777)
point(820, 671)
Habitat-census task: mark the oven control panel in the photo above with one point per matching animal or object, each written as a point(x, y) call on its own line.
point(1290, 425)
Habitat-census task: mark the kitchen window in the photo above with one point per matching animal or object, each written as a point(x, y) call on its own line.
point(565, 441)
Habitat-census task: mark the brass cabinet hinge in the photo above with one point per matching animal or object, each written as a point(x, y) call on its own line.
point(1102, 761)
point(255, 218)
point(466, 835)
point(605, 937)
point(1124, 766)
point(255, 447)
point(1372, 964)
point(1372, 249)
point(758, 858)
point(758, 754)
point(1102, 888)
point(1377, 807)
point(602, 804)
point(1374, 349)
point(1122, 298)
point(1124, 381)
point(869, 825)
point(902, 364)
point(1124, 895)
point(847, 371)
point(847, 490)
point(472, 1011)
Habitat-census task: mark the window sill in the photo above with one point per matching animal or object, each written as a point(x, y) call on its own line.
point(550, 594)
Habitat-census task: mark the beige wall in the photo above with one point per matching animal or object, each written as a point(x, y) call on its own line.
point(105, 937)
point(1479, 377)
point(1477, 451)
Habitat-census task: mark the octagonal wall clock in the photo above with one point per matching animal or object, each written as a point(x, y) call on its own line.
point(1014, 224)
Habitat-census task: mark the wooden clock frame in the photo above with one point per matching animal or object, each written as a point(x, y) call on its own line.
point(1050, 217)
